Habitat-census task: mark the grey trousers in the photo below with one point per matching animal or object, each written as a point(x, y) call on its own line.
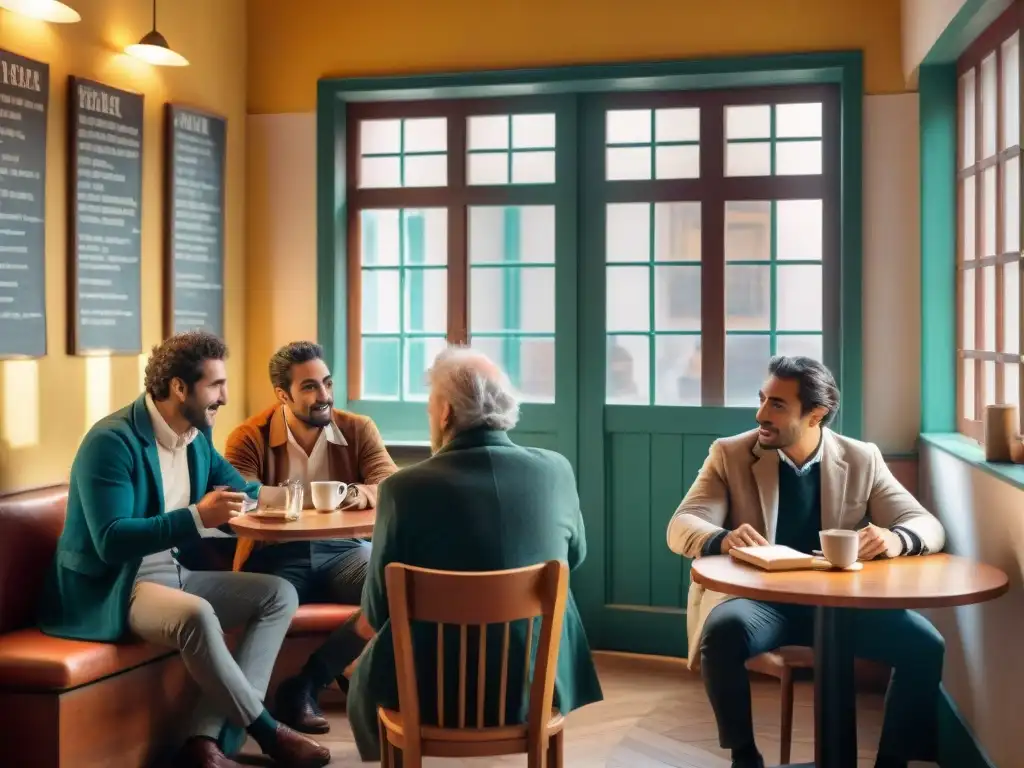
point(189, 611)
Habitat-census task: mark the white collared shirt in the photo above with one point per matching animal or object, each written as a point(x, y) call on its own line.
point(807, 464)
point(316, 466)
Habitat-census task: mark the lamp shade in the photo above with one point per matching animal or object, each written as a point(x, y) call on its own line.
point(45, 10)
point(153, 48)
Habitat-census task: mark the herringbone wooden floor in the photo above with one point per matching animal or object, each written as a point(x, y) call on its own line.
point(655, 714)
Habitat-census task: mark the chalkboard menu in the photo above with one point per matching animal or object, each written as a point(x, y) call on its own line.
point(195, 221)
point(24, 106)
point(105, 238)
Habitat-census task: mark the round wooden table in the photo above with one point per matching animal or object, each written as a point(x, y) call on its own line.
point(311, 525)
point(933, 581)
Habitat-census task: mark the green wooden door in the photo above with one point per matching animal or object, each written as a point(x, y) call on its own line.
point(702, 253)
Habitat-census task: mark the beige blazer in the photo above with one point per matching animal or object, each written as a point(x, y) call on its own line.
point(739, 483)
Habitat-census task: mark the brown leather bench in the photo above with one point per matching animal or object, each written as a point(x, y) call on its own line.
point(80, 704)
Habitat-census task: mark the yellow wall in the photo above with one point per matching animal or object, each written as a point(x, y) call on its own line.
point(296, 43)
point(47, 405)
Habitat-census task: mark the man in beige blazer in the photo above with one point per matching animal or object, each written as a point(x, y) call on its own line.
point(782, 484)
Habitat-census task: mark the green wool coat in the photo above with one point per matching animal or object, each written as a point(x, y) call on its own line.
point(115, 517)
point(481, 503)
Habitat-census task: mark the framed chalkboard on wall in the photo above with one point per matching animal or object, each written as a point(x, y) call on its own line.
point(194, 199)
point(24, 108)
point(105, 209)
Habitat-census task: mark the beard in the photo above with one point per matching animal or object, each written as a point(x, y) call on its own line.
point(776, 438)
point(319, 414)
point(198, 415)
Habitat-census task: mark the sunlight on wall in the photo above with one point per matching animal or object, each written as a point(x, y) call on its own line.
point(20, 425)
point(143, 362)
point(97, 389)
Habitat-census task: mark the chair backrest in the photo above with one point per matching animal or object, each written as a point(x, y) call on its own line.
point(30, 524)
point(478, 599)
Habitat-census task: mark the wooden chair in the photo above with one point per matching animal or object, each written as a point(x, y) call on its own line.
point(780, 664)
point(475, 599)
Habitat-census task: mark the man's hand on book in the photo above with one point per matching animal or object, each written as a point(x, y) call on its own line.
point(744, 536)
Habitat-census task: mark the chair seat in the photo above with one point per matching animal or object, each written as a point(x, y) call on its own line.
point(315, 618)
point(461, 742)
point(30, 660)
point(773, 662)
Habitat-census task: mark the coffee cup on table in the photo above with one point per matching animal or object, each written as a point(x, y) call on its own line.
point(840, 547)
point(328, 494)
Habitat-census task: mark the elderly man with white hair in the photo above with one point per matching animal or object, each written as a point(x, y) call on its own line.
point(480, 503)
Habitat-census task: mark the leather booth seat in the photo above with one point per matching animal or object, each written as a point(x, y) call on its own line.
point(56, 691)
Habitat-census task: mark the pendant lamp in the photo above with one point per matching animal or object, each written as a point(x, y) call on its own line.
point(44, 10)
point(153, 49)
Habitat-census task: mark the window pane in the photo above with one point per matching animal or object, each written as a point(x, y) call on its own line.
point(988, 106)
point(379, 237)
point(488, 132)
point(1011, 206)
point(533, 167)
point(380, 301)
point(628, 126)
point(426, 170)
point(988, 275)
point(677, 124)
point(798, 298)
point(798, 120)
point(681, 162)
point(677, 368)
point(799, 230)
point(796, 346)
point(967, 119)
point(429, 134)
point(746, 368)
point(968, 373)
point(628, 163)
point(380, 369)
point(1011, 308)
point(677, 232)
point(628, 232)
point(989, 202)
point(677, 298)
point(1011, 92)
point(529, 362)
point(629, 297)
point(628, 380)
point(487, 168)
point(748, 122)
point(988, 369)
point(512, 299)
point(378, 137)
point(748, 227)
point(747, 298)
point(968, 213)
point(1011, 384)
point(426, 236)
point(426, 300)
point(512, 234)
point(967, 302)
point(531, 131)
point(419, 355)
point(796, 158)
point(380, 172)
point(751, 159)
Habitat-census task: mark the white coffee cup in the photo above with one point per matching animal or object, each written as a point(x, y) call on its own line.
point(840, 547)
point(328, 494)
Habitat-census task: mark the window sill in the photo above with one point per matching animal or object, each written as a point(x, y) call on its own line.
point(969, 451)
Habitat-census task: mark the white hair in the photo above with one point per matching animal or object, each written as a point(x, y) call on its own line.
point(478, 391)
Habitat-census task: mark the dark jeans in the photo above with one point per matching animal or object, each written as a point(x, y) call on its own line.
point(740, 629)
point(322, 572)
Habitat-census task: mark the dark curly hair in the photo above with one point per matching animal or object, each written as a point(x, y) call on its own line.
point(181, 357)
point(292, 354)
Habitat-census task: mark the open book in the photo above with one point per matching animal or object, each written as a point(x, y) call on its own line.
point(775, 557)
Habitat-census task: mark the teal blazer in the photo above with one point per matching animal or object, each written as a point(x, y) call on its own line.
point(481, 503)
point(115, 517)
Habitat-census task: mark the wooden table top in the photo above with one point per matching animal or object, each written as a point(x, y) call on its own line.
point(310, 526)
point(932, 581)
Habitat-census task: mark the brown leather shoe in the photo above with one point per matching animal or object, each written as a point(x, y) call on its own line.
point(202, 752)
point(294, 750)
point(295, 705)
